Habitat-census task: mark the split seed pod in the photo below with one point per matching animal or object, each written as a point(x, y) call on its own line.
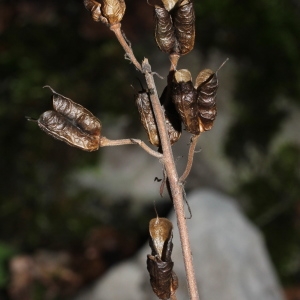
point(164, 30)
point(147, 117)
point(173, 121)
point(143, 103)
point(207, 86)
point(175, 26)
point(184, 97)
point(163, 279)
point(109, 12)
point(71, 123)
point(184, 23)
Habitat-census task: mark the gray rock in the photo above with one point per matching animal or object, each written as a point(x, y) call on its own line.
point(230, 258)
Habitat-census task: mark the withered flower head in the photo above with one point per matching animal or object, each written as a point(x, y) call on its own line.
point(108, 12)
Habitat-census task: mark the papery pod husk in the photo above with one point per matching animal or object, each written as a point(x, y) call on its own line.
point(113, 10)
point(164, 30)
point(143, 104)
point(71, 123)
point(184, 23)
point(163, 279)
point(94, 8)
point(79, 115)
point(185, 99)
point(207, 86)
point(173, 121)
point(63, 129)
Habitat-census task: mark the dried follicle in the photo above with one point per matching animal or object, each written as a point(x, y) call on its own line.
point(163, 279)
point(184, 24)
point(71, 123)
point(164, 30)
point(175, 26)
point(160, 230)
point(207, 86)
point(109, 12)
point(172, 118)
point(143, 104)
point(173, 123)
point(185, 99)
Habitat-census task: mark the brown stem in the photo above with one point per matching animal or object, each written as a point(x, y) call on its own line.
point(116, 28)
point(190, 158)
point(174, 58)
point(175, 186)
point(105, 142)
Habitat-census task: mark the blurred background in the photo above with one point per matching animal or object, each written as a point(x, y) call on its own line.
point(70, 215)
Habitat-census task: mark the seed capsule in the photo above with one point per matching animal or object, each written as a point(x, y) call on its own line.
point(175, 26)
point(71, 123)
point(207, 86)
point(164, 30)
point(163, 279)
point(184, 23)
point(184, 97)
point(148, 120)
point(147, 117)
point(109, 12)
point(173, 121)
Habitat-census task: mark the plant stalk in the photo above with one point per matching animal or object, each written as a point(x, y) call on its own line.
point(175, 185)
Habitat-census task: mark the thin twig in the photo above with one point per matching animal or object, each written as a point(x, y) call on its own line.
point(105, 142)
point(190, 158)
point(173, 181)
point(116, 28)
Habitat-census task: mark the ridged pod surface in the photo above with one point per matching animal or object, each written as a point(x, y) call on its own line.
point(207, 86)
point(71, 123)
point(143, 104)
point(185, 100)
point(163, 279)
point(184, 23)
point(164, 30)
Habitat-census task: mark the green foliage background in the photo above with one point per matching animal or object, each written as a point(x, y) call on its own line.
point(56, 43)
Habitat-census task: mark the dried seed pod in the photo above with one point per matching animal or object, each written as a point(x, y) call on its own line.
point(172, 117)
point(184, 97)
point(143, 103)
point(184, 23)
point(207, 86)
point(71, 123)
point(94, 8)
point(164, 30)
point(82, 117)
point(163, 279)
point(64, 130)
point(110, 12)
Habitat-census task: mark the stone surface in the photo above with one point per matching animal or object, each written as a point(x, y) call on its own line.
point(230, 258)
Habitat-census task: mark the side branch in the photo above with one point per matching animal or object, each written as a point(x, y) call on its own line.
point(105, 142)
point(189, 164)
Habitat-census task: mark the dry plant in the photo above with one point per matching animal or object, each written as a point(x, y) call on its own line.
point(194, 105)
